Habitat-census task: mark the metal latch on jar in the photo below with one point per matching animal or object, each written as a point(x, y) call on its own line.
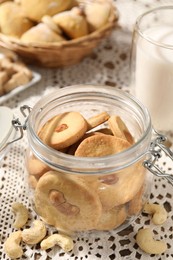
point(18, 126)
point(157, 148)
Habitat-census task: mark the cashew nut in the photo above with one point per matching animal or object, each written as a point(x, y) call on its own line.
point(21, 214)
point(64, 241)
point(12, 245)
point(34, 234)
point(159, 213)
point(146, 242)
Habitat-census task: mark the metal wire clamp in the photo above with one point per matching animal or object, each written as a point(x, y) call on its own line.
point(18, 126)
point(157, 148)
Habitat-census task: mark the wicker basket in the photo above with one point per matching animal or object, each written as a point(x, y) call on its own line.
point(60, 54)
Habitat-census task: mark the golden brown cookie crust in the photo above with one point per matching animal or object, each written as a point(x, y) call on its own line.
point(112, 218)
point(130, 181)
point(76, 193)
point(101, 145)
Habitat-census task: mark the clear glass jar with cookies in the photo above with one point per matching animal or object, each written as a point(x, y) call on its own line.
point(87, 145)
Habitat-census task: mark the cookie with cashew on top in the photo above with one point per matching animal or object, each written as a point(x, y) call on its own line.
point(67, 202)
point(63, 130)
point(125, 187)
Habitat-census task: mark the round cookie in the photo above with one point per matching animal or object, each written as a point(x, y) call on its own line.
point(119, 128)
point(71, 150)
point(128, 182)
point(101, 145)
point(47, 129)
point(97, 120)
point(36, 167)
point(135, 205)
point(69, 128)
point(67, 202)
point(32, 181)
point(112, 219)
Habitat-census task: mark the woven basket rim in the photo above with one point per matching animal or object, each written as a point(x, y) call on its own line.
point(74, 42)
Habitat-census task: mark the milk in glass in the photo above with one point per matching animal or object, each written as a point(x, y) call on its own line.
point(154, 75)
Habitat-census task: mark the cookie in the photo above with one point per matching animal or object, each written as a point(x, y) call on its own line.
point(127, 184)
point(97, 14)
point(47, 129)
point(67, 202)
point(112, 219)
point(49, 21)
point(17, 79)
point(19, 66)
point(71, 150)
point(136, 204)
point(119, 128)
point(3, 79)
point(7, 65)
point(97, 120)
point(32, 181)
point(36, 167)
point(72, 23)
point(101, 145)
point(41, 33)
point(69, 128)
point(13, 23)
point(105, 130)
point(108, 179)
point(36, 9)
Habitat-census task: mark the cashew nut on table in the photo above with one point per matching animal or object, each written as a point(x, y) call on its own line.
point(35, 234)
point(64, 241)
point(158, 212)
point(147, 243)
point(12, 245)
point(21, 213)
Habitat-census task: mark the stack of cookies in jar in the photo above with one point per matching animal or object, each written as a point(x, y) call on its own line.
point(82, 202)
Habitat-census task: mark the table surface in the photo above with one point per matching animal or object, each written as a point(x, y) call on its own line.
point(108, 65)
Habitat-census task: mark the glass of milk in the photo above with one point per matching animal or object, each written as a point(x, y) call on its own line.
point(152, 65)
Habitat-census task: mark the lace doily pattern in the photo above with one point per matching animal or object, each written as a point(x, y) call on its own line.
point(108, 65)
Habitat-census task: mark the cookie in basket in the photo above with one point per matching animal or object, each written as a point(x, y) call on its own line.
point(36, 9)
point(77, 43)
point(17, 24)
point(41, 33)
point(97, 13)
point(72, 22)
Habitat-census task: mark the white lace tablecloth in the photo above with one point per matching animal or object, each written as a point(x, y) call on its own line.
point(108, 65)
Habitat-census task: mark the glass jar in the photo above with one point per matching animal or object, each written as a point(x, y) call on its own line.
point(89, 193)
point(152, 64)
